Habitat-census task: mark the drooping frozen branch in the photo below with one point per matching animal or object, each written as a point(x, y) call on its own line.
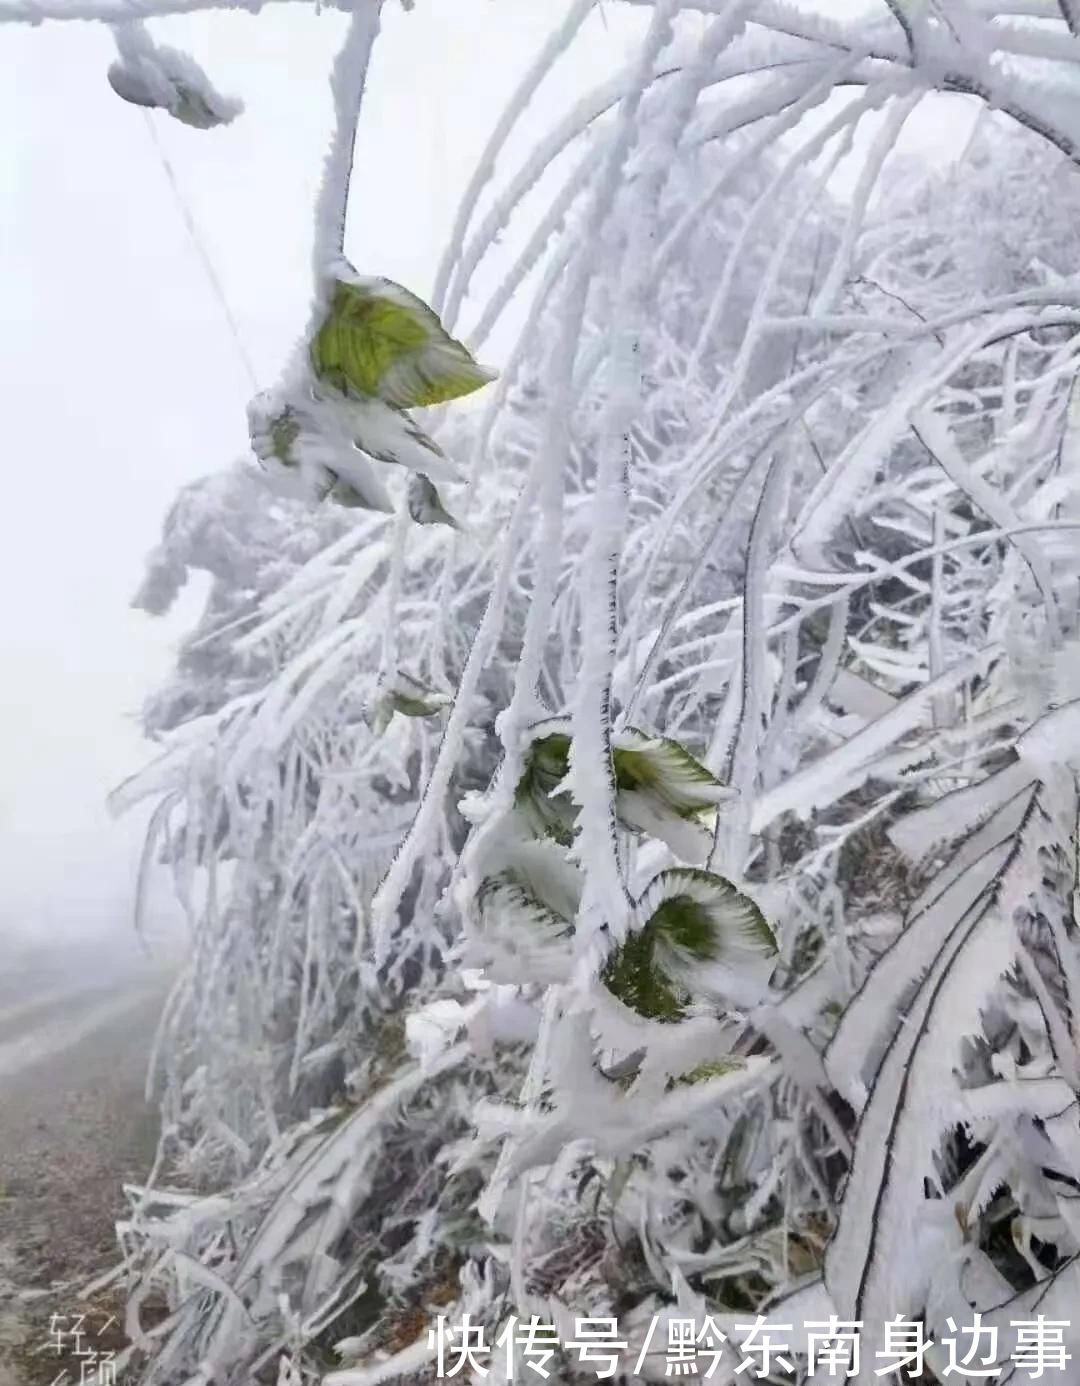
point(347, 82)
point(559, 40)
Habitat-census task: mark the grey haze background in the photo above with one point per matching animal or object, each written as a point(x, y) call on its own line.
point(123, 381)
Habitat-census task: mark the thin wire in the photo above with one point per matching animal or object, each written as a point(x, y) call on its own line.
point(202, 252)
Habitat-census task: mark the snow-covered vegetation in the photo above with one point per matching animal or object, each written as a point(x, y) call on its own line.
point(640, 879)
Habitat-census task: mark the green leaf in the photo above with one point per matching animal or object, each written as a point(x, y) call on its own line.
point(661, 790)
point(633, 974)
point(380, 341)
point(666, 772)
point(687, 925)
point(547, 763)
point(706, 916)
point(686, 916)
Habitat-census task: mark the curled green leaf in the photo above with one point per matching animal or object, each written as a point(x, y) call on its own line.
point(685, 920)
point(548, 809)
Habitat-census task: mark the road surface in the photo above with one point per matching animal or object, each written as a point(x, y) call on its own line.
point(75, 1037)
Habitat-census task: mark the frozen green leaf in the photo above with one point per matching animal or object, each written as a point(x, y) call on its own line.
point(380, 341)
point(526, 911)
point(664, 771)
point(547, 764)
point(685, 917)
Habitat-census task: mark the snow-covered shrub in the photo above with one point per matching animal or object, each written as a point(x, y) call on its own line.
point(656, 897)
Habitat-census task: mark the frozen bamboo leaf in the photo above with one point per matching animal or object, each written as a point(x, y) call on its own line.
point(873, 1267)
point(701, 1073)
point(425, 503)
point(410, 697)
point(663, 791)
point(526, 914)
point(273, 432)
point(354, 496)
point(874, 1014)
point(319, 443)
point(389, 435)
point(689, 837)
point(506, 902)
point(542, 870)
point(415, 699)
point(381, 342)
point(312, 462)
point(948, 818)
point(588, 1106)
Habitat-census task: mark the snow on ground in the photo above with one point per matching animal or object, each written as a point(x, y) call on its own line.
point(74, 1042)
